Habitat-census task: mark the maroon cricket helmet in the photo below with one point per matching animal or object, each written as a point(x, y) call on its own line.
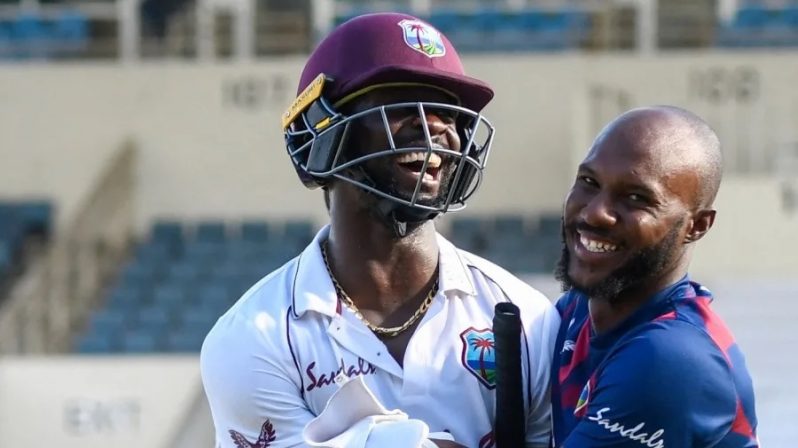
point(382, 48)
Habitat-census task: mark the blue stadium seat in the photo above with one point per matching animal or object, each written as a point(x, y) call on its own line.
point(185, 272)
point(550, 226)
point(488, 20)
point(790, 16)
point(12, 231)
point(469, 233)
point(752, 16)
point(213, 295)
point(70, 30)
point(141, 273)
point(28, 35)
point(204, 253)
point(107, 322)
point(6, 41)
point(509, 225)
point(447, 21)
point(156, 319)
point(211, 232)
point(93, 343)
point(36, 216)
point(6, 258)
point(126, 299)
point(184, 341)
point(241, 251)
point(255, 231)
point(300, 232)
point(167, 232)
point(142, 341)
point(198, 320)
point(155, 253)
point(169, 296)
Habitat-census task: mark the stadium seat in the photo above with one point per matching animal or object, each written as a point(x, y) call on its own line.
point(184, 341)
point(299, 232)
point(214, 295)
point(13, 234)
point(70, 31)
point(167, 232)
point(155, 253)
point(93, 343)
point(169, 296)
point(751, 16)
point(108, 322)
point(142, 341)
point(469, 233)
point(790, 16)
point(197, 320)
point(155, 318)
point(29, 36)
point(509, 225)
point(255, 231)
point(210, 232)
point(447, 21)
point(204, 252)
point(36, 216)
point(126, 300)
point(141, 273)
point(550, 226)
point(185, 272)
point(5, 258)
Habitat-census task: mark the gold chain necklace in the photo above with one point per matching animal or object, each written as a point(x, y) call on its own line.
point(381, 331)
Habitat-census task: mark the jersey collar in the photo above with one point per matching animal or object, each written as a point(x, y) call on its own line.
point(313, 290)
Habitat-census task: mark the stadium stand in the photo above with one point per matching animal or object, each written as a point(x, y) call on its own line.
point(182, 278)
point(492, 29)
point(760, 25)
point(27, 34)
point(57, 30)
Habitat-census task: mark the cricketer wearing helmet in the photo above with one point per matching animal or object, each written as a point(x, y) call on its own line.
point(379, 332)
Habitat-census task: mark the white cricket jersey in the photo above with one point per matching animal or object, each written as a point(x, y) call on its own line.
point(269, 364)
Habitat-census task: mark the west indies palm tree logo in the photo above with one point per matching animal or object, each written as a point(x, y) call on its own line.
point(423, 38)
point(479, 355)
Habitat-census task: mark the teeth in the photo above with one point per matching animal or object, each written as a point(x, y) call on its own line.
point(409, 157)
point(597, 246)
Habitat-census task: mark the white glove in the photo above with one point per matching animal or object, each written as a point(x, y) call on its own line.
point(354, 418)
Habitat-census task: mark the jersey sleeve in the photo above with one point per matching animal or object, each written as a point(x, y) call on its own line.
point(541, 336)
point(254, 396)
point(667, 386)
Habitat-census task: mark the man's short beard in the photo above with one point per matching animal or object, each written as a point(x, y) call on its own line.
point(390, 185)
point(646, 264)
point(392, 213)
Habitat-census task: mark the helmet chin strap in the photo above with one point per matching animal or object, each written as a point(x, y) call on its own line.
point(401, 218)
point(398, 217)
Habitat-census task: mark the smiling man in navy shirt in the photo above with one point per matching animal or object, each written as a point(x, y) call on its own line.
point(641, 360)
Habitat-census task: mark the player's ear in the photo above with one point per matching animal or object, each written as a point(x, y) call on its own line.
point(700, 223)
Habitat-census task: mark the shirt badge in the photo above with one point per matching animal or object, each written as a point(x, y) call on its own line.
point(479, 355)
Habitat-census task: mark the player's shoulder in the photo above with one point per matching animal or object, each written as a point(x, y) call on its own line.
point(668, 347)
point(673, 364)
